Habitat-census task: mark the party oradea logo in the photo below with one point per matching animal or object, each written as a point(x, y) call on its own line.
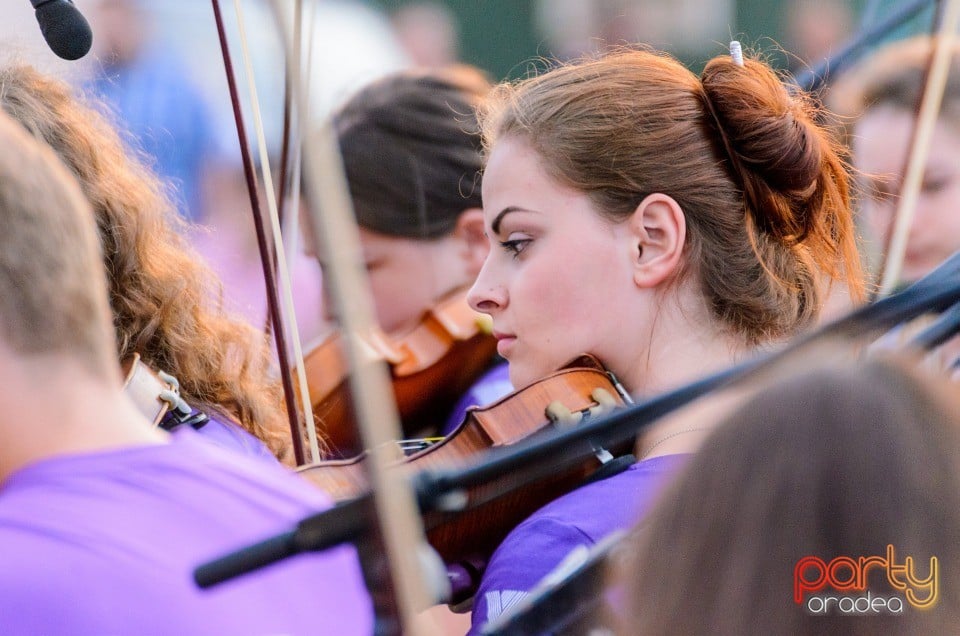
point(851, 586)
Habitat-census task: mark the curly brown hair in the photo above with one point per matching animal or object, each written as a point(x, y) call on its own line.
point(167, 304)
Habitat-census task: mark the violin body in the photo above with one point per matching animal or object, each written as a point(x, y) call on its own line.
point(431, 367)
point(581, 387)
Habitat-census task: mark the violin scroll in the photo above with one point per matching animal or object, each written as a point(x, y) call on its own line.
point(430, 368)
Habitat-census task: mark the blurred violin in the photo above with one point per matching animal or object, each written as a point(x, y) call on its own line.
point(431, 367)
point(156, 395)
point(581, 389)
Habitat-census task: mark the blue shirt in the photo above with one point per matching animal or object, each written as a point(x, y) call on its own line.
point(163, 116)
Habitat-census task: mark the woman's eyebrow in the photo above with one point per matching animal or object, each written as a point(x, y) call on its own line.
point(495, 226)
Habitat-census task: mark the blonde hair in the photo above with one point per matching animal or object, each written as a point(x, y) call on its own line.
point(764, 189)
point(52, 288)
point(161, 293)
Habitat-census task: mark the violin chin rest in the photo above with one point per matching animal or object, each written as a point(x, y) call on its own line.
point(613, 467)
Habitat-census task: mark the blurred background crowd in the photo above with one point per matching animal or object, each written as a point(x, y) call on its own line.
point(157, 67)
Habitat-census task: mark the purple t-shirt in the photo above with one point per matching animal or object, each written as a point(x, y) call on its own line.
point(106, 543)
point(232, 436)
point(582, 517)
point(492, 385)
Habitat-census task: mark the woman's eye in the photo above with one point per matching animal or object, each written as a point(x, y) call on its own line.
point(515, 246)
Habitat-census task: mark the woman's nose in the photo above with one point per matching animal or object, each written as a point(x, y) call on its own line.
point(486, 295)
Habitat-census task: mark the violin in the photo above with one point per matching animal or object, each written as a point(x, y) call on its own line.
point(431, 367)
point(583, 388)
point(156, 395)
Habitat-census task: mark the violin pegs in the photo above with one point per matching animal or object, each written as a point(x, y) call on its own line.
point(561, 416)
point(603, 398)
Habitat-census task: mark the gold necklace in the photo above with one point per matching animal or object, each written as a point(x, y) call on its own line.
point(663, 439)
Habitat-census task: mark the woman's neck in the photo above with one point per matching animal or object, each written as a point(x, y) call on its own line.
point(684, 343)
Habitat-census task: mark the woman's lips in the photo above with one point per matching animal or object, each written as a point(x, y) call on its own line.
point(505, 343)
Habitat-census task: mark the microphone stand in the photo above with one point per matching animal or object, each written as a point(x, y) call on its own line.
point(533, 459)
point(537, 458)
point(812, 80)
point(939, 331)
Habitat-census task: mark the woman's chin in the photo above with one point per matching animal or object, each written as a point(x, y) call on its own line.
point(523, 374)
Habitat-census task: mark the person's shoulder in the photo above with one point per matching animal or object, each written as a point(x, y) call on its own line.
point(599, 507)
point(226, 433)
point(580, 518)
point(232, 472)
point(31, 565)
point(528, 554)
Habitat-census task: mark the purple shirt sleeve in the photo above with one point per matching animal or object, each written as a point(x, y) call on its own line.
point(582, 517)
point(231, 436)
point(526, 556)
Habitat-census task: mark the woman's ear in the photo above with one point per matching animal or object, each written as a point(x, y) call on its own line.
point(658, 232)
point(475, 244)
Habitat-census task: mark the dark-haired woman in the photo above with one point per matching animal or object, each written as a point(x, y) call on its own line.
point(412, 154)
point(667, 224)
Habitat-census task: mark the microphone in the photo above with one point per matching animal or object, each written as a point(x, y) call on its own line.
point(317, 532)
point(64, 28)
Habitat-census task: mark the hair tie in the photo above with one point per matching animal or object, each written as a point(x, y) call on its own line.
point(736, 52)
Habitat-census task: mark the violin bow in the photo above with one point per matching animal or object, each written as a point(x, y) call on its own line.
point(335, 231)
point(288, 194)
point(937, 72)
point(283, 272)
point(273, 303)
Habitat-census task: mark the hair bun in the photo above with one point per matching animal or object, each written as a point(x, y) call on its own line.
point(774, 147)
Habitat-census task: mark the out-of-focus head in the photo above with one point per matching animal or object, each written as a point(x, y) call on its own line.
point(721, 186)
point(428, 32)
point(827, 462)
point(53, 297)
point(816, 29)
point(119, 28)
point(880, 98)
point(134, 218)
point(412, 154)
